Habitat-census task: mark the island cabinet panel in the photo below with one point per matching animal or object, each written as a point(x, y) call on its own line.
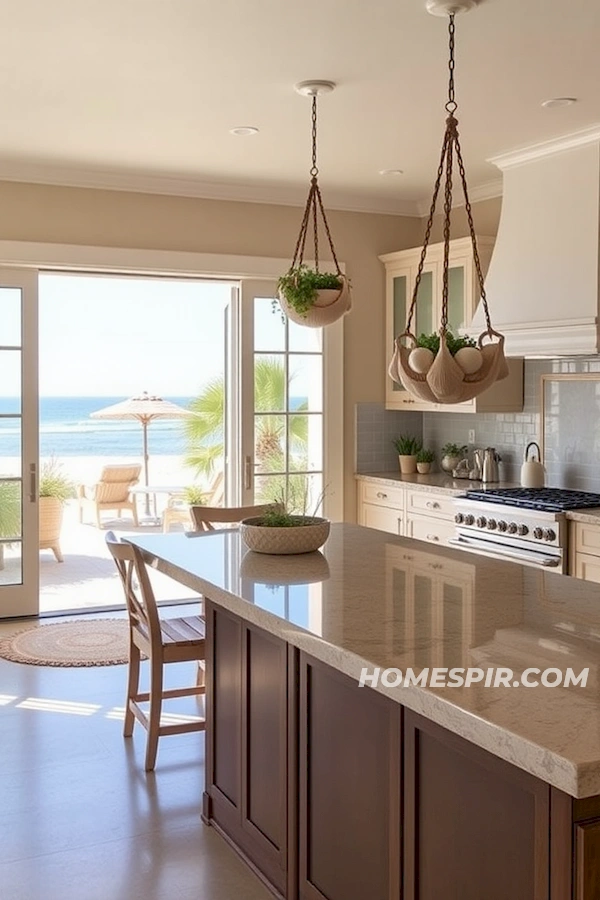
point(247, 741)
point(474, 826)
point(349, 773)
point(587, 860)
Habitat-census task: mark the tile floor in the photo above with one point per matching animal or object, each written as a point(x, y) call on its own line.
point(79, 818)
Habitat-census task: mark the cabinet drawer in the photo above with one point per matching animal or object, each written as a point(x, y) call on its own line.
point(423, 502)
point(587, 538)
point(382, 495)
point(587, 567)
point(425, 528)
point(381, 517)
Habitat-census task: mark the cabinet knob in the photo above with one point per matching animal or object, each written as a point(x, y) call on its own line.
point(432, 504)
point(381, 495)
point(432, 537)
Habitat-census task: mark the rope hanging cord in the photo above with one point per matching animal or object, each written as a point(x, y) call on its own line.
point(450, 147)
point(314, 205)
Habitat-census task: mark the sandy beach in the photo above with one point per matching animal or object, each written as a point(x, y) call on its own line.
point(164, 471)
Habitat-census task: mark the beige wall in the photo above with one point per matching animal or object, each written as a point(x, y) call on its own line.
point(486, 216)
point(143, 221)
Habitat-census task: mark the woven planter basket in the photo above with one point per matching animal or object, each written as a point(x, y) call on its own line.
point(445, 382)
point(330, 305)
point(280, 540)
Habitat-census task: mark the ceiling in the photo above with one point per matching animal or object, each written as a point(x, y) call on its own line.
point(142, 94)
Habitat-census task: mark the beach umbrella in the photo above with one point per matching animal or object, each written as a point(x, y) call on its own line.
point(144, 408)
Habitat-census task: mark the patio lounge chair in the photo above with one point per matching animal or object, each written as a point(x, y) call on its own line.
point(111, 491)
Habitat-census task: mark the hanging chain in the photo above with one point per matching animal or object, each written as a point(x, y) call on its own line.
point(451, 104)
point(450, 146)
point(314, 204)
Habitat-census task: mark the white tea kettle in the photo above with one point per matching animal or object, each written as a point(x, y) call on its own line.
point(533, 473)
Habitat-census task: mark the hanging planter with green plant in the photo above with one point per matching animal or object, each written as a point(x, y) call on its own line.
point(445, 372)
point(308, 296)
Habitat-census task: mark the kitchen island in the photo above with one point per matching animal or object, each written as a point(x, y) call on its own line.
point(331, 790)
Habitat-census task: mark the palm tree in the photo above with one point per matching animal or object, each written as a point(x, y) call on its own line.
point(204, 432)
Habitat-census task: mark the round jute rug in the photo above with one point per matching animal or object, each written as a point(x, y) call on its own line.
point(86, 642)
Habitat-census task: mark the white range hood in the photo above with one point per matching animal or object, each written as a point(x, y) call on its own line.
point(543, 280)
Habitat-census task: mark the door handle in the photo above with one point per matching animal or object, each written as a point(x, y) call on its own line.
point(247, 473)
point(32, 482)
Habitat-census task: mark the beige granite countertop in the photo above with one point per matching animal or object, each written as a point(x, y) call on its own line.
point(373, 599)
point(436, 481)
point(589, 516)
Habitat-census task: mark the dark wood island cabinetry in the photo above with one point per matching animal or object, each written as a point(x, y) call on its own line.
point(332, 791)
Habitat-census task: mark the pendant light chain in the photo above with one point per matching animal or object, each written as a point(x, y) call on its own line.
point(451, 145)
point(314, 205)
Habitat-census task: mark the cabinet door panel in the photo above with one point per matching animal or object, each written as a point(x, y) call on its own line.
point(475, 826)
point(587, 850)
point(226, 705)
point(587, 567)
point(349, 766)
point(382, 518)
point(425, 528)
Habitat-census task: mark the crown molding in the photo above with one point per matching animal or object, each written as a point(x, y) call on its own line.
point(486, 191)
point(169, 185)
point(532, 152)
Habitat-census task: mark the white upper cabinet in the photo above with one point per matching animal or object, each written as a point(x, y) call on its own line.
point(463, 296)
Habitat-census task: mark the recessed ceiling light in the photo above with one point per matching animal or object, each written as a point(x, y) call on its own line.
point(243, 130)
point(391, 172)
point(555, 102)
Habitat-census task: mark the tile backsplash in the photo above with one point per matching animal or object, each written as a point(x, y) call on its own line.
point(571, 428)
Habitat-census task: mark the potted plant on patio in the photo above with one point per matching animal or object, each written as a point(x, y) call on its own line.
point(54, 490)
point(10, 513)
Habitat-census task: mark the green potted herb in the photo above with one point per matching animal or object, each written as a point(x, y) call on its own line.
point(407, 448)
point(313, 298)
point(424, 460)
point(54, 491)
point(452, 455)
point(462, 348)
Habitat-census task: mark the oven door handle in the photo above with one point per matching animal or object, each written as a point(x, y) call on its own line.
point(523, 555)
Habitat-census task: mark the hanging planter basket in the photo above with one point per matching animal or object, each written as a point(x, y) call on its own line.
point(328, 304)
point(445, 378)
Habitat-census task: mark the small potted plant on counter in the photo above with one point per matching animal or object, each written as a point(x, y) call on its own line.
point(407, 448)
point(424, 460)
point(452, 455)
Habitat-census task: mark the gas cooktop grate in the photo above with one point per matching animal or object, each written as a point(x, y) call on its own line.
point(545, 499)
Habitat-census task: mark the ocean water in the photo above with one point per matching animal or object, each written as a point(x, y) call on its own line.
point(66, 429)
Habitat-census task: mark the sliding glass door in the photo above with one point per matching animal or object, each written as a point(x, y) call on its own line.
point(19, 551)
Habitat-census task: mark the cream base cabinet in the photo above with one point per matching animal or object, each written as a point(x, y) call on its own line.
point(381, 507)
point(463, 296)
point(584, 551)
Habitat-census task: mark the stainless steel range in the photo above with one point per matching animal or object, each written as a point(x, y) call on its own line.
point(527, 525)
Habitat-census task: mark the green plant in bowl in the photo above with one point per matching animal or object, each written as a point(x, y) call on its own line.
point(454, 342)
point(300, 285)
point(425, 456)
point(452, 455)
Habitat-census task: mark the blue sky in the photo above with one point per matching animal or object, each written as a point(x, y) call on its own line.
point(107, 336)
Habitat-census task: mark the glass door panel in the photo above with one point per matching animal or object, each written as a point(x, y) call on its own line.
point(424, 308)
point(399, 312)
point(282, 405)
point(19, 584)
point(456, 298)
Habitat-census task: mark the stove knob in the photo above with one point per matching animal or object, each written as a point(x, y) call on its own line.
point(512, 527)
point(502, 525)
point(491, 524)
point(459, 518)
point(549, 534)
point(522, 530)
point(481, 521)
point(469, 520)
point(538, 533)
